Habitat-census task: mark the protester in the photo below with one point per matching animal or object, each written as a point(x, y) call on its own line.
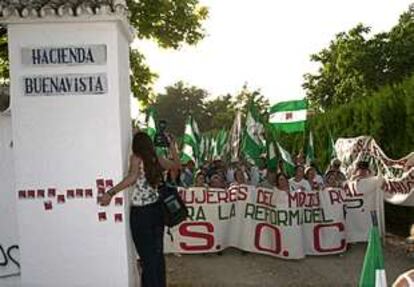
point(270, 180)
point(200, 180)
point(217, 181)
point(146, 218)
point(315, 181)
point(362, 170)
point(334, 167)
point(300, 159)
point(282, 182)
point(331, 180)
point(298, 182)
point(239, 177)
point(187, 174)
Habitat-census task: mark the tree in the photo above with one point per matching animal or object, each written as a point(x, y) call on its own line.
point(170, 23)
point(245, 97)
point(357, 64)
point(178, 103)
point(220, 113)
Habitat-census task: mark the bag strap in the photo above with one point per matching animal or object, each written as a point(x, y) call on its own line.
point(170, 234)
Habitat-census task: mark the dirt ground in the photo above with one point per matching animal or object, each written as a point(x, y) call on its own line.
point(235, 269)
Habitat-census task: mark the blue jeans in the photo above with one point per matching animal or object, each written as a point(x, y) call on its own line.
point(147, 229)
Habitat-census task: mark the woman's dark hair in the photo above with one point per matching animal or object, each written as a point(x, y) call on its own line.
point(142, 147)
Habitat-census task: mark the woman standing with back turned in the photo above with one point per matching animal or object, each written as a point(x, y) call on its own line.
point(146, 218)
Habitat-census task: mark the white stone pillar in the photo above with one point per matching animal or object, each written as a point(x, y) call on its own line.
point(71, 129)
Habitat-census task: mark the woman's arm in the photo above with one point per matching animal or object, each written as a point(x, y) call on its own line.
point(129, 180)
point(173, 164)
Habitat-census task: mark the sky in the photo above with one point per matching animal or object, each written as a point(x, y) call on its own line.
point(264, 43)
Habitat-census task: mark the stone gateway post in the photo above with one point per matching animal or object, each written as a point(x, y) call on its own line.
point(71, 129)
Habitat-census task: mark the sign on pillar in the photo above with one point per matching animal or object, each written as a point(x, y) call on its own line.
point(69, 86)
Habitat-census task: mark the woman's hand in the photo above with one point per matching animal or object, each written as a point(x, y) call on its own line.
point(105, 199)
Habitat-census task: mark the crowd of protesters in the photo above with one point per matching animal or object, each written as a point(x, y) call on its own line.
point(306, 178)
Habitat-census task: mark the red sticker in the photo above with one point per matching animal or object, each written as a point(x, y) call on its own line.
point(118, 200)
point(101, 190)
point(100, 182)
point(51, 192)
point(61, 198)
point(48, 205)
point(88, 192)
point(31, 194)
point(109, 183)
point(102, 216)
point(22, 193)
point(79, 192)
point(118, 217)
point(41, 193)
point(70, 193)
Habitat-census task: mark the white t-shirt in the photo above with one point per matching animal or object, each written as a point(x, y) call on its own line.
point(302, 185)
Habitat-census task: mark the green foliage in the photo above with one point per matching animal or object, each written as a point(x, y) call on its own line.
point(220, 113)
point(212, 115)
point(169, 22)
point(142, 78)
point(178, 103)
point(357, 64)
point(388, 116)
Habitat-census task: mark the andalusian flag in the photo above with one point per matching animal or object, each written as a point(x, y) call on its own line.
point(288, 162)
point(221, 141)
point(373, 272)
point(289, 117)
point(331, 147)
point(310, 150)
point(254, 143)
point(232, 148)
point(271, 157)
point(190, 147)
point(151, 123)
point(196, 130)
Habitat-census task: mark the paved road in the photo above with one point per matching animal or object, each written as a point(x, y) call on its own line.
point(235, 269)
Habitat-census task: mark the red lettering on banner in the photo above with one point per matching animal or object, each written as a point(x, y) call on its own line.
point(222, 196)
point(185, 231)
point(317, 240)
point(293, 197)
point(203, 198)
point(335, 196)
point(276, 235)
point(264, 197)
point(212, 197)
point(304, 199)
point(351, 189)
point(233, 193)
point(242, 193)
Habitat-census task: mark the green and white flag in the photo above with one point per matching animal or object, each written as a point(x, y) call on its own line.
point(151, 124)
point(271, 157)
point(196, 130)
point(373, 272)
point(254, 143)
point(331, 148)
point(221, 141)
point(289, 117)
point(232, 149)
point(287, 158)
point(310, 150)
point(190, 143)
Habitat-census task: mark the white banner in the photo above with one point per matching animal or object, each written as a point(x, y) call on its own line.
point(398, 185)
point(273, 222)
